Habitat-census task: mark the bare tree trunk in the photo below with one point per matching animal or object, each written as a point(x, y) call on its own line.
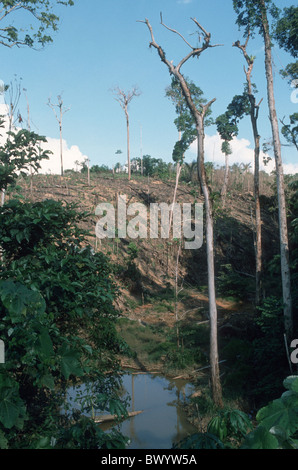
point(215, 380)
point(258, 217)
point(178, 171)
point(176, 296)
point(199, 119)
point(61, 151)
point(128, 145)
point(226, 180)
point(254, 114)
point(124, 98)
point(88, 171)
point(284, 246)
point(62, 111)
point(29, 129)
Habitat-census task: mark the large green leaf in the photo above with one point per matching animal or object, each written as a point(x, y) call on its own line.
point(12, 408)
point(17, 299)
point(260, 438)
point(218, 427)
point(291, 383)
point(70, 364)
point(282, 412)
point(46, 345)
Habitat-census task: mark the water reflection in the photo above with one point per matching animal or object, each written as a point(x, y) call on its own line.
point(163, 420)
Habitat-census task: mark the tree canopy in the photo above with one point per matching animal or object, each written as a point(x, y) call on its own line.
point(185, 121)
point(40, 11)
point(249, 16)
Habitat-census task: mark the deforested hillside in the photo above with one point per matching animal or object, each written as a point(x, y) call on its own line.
point(155, 288)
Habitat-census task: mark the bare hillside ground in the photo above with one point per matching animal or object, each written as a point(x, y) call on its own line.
point(147, 282)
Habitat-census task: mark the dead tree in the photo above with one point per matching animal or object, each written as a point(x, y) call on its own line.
point(59, 117)
point(124, 98)
point(199, 116)
point(254, 114)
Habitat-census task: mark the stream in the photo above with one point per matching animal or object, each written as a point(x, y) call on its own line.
point(163, 421)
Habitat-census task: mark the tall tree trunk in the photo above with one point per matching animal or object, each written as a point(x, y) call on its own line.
point(214, 360)
point(61, 151)
point(215, 380)
point(128, 145)
point(199, 116)
point(254, 114)
point(258, 241)
point(284, 246)
point(2, 197)
point(226, 181)
point(258, 221)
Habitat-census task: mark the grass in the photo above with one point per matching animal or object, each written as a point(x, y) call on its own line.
point(146, 342)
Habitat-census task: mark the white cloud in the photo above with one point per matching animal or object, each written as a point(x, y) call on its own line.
point(70, 155)
point(241, 153)
point(184, 1)
point(290, 168)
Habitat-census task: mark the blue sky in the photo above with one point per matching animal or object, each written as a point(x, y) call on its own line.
point(100, 44)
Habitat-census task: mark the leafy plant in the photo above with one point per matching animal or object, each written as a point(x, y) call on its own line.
point(229, 424)
point(277, 422)
point(20, 150)
point(57, 321)
point(200, 441)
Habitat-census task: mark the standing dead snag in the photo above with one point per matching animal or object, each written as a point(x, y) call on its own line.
point(59, 119)
point(124, 98)
point(254, 114)
point(199, 115)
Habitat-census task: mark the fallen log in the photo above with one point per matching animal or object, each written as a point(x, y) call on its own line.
point(104, 418)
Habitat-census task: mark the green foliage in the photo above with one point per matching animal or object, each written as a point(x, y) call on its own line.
point(185, 121)
point(41, 10)
point(293, 241)
point(290, 72)
point(57, 321)
point(86, 434)
point(290, 131)
point(227, 123)
point(238, 353)
point(200, 441)
point(285, 31)
point(229, 424)
point(179, 358)
point(21, 150)
point(269, 358)
point(277, 426)
point(249, 14)
point(155, 167)
point(99, 169)
point(232, 284)
point(277, 422)
point(27, 227)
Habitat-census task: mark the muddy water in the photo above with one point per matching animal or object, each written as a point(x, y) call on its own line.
point(163, 421)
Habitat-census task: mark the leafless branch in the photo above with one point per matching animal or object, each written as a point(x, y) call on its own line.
point(174, 31)
point(59, 105)
point(207, 35)
point(195, 51)
point(123, 97)
point(248, 59)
